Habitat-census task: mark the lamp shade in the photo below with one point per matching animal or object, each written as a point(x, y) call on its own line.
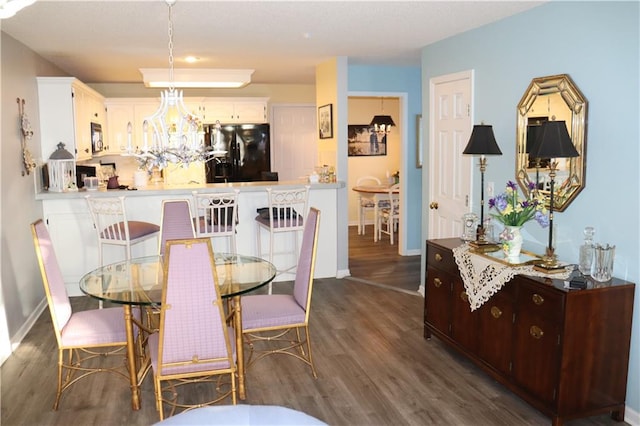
point(482, 141)
point(553, 141)
point(382, 120)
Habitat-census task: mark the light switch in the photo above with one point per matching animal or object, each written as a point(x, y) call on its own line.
point(490, 189)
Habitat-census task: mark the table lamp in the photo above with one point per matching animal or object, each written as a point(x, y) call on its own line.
point(552, 142)
point(482, 142)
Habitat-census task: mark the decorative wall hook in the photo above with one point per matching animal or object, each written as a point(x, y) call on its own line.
point(27, 132)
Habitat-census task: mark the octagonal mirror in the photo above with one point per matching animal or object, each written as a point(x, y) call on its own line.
point(552, 98)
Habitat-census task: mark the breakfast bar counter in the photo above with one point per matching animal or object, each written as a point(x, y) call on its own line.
point(74, 237)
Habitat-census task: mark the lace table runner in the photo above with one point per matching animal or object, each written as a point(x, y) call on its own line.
point(483, 277)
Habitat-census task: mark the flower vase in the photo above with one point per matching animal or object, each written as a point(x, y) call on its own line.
point(511, 242)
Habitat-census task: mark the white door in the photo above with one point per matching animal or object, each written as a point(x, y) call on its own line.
point(449, 170)
point(294, 143)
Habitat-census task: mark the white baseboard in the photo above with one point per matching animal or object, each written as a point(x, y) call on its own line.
point(17, 338)
point(631, 416)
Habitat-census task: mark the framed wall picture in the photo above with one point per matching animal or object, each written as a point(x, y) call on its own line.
point(362, 140)
point(325, 121)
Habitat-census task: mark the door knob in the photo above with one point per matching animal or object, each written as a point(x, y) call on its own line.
point(433, 205)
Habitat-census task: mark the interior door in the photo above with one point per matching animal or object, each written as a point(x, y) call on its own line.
point(450, 171)
point(294, 147)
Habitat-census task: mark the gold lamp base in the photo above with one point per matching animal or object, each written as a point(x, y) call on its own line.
point(549, 263)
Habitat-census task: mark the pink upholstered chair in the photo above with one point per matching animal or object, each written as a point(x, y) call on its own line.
point(193, 344)
point(280, 318)
point(176, 222)
point(81, 336)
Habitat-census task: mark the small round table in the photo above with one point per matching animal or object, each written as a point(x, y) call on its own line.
point(139, 281)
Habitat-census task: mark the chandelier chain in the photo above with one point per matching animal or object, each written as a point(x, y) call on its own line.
point(171, 83)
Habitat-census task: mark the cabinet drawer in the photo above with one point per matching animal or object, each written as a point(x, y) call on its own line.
point(442, 259)
point(540, 302)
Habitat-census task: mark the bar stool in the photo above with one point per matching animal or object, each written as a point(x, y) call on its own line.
point(112, 226)
point(216, 216)
point(285, 214)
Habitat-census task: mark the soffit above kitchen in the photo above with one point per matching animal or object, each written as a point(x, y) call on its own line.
point(283, 41)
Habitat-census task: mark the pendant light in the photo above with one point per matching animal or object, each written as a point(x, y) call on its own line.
point(172, 134)
point(382, 123)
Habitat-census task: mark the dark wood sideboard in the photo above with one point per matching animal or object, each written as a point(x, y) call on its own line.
point(565, 352)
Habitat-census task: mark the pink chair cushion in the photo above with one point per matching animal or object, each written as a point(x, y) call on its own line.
point(94, 327)
point(262, 310)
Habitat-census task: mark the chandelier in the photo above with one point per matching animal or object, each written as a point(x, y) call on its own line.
point(382, 123)
point(172, 134)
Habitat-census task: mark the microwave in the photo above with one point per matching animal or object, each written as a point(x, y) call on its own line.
point(97, 143)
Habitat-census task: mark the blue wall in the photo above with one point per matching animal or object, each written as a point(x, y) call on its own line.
point(407, 80)
point(597, 44)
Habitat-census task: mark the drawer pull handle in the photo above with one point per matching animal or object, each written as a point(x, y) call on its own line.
point(437, 282)
point(438, 257)
point(464, 296)
point(496, 312)
point(536, 332)
point(537, 299)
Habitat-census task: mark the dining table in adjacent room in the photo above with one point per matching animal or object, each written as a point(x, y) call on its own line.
point(139, 281)
point(376, 193)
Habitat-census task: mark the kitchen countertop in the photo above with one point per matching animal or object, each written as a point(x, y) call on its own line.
point(162, 189)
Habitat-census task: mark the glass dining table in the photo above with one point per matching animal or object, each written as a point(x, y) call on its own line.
point(139, 282)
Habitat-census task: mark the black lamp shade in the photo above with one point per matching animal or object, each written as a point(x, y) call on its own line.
point(553, 141)
point(382, 120)
point(482, 141)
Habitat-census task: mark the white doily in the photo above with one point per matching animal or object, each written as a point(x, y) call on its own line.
point(483, 277)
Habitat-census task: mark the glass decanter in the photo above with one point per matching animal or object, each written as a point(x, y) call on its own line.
point(586, 251)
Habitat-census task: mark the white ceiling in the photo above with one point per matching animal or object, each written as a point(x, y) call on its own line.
point(108, 41)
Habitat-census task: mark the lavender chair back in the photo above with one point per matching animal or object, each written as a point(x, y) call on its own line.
point(176, 222)
point(307, 260)
point(54, 288)
point(194, 336)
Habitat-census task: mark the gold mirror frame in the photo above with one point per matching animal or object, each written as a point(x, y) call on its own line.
point(554, 97)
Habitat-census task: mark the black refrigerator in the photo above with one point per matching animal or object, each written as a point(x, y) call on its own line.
point(242, 152)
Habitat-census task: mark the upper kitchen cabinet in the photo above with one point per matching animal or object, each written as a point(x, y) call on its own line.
point(235, 110)
point(121, 112)
point(70, 112)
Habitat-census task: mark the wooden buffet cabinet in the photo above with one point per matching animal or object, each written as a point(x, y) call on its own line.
point(565, 352)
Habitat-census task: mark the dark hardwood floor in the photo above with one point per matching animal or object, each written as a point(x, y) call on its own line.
point(374, 368)
point(378, 263)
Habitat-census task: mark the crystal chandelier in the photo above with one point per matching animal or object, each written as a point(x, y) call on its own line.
point(172, 134)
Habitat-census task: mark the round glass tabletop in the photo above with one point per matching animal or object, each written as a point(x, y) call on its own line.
point(139, 281)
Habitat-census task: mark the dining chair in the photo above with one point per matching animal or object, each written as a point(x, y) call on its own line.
point(280, 322)
point(389, 216)
point(176, 222)
point(365, 204)
point(216, 216)
point(284, 214)
point(83, 337)
point(113, 228)
point(192, 345)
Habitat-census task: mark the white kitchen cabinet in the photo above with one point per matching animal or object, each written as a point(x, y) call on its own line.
point(67, 108)
point(250, 111)
point(121, 112)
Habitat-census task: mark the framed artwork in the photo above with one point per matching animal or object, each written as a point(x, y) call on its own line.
point(364, 141)
point(107, 170)
point(325, 121)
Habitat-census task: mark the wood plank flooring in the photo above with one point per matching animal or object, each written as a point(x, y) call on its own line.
point(374, 367)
